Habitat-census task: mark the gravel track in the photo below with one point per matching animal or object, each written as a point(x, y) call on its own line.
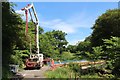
point(35, 73)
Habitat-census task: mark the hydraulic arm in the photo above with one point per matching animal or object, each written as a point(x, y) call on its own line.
point(36, 23)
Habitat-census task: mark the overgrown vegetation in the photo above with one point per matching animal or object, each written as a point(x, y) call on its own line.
point(103, 43)
point(60, 72)
point(74, 70)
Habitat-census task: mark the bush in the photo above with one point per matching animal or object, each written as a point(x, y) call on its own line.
point(75, 67)
point(18, 57)
point(67, 56)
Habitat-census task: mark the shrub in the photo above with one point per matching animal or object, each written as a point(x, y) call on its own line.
point(67, 56)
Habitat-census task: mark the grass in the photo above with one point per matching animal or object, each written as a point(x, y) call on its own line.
point(73, 71)
point(61, 72)
point(90, 76)
point(65, 72)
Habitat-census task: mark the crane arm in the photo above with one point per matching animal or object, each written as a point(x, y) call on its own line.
point(28, 7)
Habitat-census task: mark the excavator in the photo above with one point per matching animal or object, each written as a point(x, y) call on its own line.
point(35, 60)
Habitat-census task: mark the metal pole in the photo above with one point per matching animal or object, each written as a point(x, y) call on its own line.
point(30, 46)
point(37, 30)
point(37, 39)
point(26, 12)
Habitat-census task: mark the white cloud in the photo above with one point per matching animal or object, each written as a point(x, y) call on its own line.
point(75, 41)
point(81, 20)
point(69, 25)
point(64, 27)
point(58, 24)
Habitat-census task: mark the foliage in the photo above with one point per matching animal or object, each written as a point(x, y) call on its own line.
point(113, 53)
point(67, 56)
point(106, 25)
point(89, 55)
point(59, 39)
point(80, 49)
point(18, 57)
point(15, 44)
point(83, 46)
point(74, 70)
point(92, 76)
point(52, 43)
point(10, 34)
point(71, 48)
point(97, 51)
point(78, 55)
point(75, 67)
point(60, 72)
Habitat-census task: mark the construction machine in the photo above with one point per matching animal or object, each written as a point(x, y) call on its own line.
point(35, 60)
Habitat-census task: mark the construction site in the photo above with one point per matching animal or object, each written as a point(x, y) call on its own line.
point(38, 47)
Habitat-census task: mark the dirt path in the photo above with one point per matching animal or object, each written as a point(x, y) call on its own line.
point(35, 73)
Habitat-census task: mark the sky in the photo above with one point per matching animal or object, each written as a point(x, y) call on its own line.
point(73, 18)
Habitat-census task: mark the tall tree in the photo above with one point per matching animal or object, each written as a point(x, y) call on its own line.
point(106, 25)
point(52, 42)
point(10, 34)
point(58, 39)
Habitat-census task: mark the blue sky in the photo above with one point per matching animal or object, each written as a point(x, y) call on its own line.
point(74, 18)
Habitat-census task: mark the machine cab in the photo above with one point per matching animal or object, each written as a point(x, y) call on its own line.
point(38, 56)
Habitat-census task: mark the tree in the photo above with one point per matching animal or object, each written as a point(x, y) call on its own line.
point(106, 25)
point(67, 56)
point(52, 43)
point(97, 51)
point(16, 45)
point(59, 37)
point(72, 48)
point(46, 46)
point(11, 22)
point(83, 46)
point(113, 53)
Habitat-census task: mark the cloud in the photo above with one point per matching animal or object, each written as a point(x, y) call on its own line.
point(58, 24)
point(81, 20)
point(75, 41)
point(69, 25)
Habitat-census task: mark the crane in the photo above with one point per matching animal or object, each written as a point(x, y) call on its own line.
point(26, 9)
point(39, 56)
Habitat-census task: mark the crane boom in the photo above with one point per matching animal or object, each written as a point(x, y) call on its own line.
point(28, 7)
point(36, 58)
